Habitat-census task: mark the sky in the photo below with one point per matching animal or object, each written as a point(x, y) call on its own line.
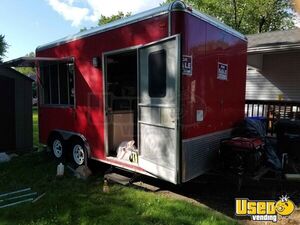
point(27, 24)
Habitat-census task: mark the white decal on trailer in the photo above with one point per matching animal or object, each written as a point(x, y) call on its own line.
point(222, 71)
point(187, 65)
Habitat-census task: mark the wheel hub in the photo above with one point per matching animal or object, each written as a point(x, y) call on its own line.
point(57, 148)
point(78, 154)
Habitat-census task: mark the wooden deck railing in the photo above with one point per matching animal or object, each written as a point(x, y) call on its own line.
point(272, 111)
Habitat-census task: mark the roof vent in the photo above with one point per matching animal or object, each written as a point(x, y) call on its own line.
point(178, 5)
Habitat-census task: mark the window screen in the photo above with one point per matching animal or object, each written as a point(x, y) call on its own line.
point(63, 82)
point(45, 78)
point(157, 74)
point(54, 84)
point(57, 82)
point(71, 77)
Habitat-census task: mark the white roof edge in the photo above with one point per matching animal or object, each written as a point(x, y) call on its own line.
point(273, 48)
point(138, 17)
point(31, 61)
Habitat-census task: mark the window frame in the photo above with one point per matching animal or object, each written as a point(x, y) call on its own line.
point(41, 86)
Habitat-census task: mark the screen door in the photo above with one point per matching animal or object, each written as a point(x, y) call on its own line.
point(158, 108)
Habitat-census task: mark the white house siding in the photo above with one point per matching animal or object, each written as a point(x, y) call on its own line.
point(271, 75)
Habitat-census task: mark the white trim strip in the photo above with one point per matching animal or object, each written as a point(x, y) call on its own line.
point(274, 48)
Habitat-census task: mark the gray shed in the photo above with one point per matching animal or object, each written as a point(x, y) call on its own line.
point(15, 111)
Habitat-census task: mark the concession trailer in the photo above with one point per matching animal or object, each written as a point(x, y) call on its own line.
point(166, 85)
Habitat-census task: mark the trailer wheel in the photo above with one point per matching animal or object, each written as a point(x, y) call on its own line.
point(57, 146)
point(78, 152)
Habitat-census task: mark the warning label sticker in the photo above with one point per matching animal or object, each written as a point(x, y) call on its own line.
point(187, 65)
point(222, 71)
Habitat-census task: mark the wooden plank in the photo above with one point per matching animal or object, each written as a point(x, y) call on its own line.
point(146, 186)
point(117, 178)
point(18, 197)
point(16, 203)
point(14, 192)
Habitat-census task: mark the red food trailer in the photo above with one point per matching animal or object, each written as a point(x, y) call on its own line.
point(171, 79)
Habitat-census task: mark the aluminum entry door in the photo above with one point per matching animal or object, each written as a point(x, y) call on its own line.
point(158, 108)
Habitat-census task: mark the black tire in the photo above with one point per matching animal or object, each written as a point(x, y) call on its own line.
point(78, 152)
point(57, 147)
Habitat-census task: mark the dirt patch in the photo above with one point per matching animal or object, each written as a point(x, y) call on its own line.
point(219, 193)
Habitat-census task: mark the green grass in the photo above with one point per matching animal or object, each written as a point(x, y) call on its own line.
point(72, 201)
point(35, 127)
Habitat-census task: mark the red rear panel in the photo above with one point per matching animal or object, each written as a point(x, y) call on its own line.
point(222, 101)
point(210, 106)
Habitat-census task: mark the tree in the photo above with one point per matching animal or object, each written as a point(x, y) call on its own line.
point(83, 29)
point(3, 47)
point(27, 70)
point(249, 16)
point(107, 19)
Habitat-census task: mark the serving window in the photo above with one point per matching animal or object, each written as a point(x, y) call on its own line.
point(57, 83)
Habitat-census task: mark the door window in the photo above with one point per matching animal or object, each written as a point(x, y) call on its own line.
point(157, 79)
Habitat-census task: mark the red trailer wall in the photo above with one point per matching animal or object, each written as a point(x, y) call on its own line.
point(87, 117)
point(222, 101)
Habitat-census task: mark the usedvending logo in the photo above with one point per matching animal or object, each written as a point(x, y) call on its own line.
point(264, 210)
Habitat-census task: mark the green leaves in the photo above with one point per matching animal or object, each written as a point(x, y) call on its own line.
point(27, 70)
point(3, 47)
point(249, 16)
point(107, 19)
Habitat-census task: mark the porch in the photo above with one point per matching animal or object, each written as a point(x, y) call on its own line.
point(272, 110)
